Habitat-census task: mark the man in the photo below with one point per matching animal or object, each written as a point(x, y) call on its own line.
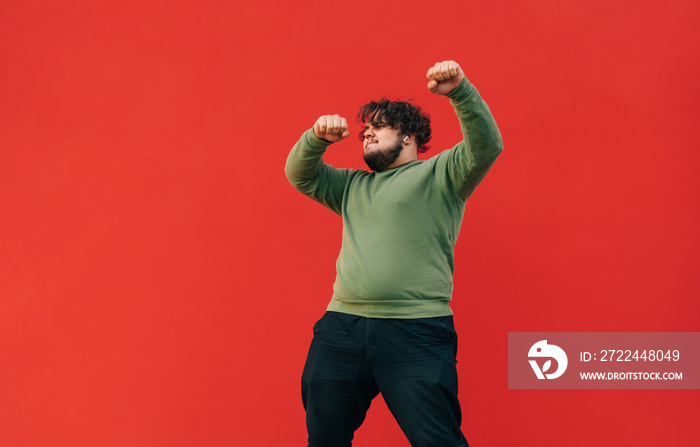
point(388, 328)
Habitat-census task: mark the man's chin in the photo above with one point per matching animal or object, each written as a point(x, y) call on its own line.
point(378, 163)
point(379, 159)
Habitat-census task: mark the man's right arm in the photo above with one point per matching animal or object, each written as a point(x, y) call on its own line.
point(305, 168)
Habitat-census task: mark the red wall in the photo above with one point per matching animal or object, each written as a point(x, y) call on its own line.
point(159, 277)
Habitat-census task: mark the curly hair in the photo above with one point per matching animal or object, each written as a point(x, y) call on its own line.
point(403, 116)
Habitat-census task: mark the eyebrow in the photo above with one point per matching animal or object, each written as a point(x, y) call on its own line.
point(377, 124)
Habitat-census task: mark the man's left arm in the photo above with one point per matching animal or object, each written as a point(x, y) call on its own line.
point(466, 164)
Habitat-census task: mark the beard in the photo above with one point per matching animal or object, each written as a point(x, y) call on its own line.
point(380, 159)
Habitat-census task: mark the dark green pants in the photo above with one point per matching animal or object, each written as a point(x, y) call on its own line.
point(411, 362)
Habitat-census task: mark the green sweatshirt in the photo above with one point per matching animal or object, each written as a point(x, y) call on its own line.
point(400, 226)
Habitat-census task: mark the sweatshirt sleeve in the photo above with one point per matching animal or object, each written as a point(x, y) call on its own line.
point(309, 175)
point(459, 170)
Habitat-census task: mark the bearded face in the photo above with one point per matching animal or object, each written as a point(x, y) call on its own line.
point(382, 144)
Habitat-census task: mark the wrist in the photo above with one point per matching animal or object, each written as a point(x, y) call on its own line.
point(317, 141)
point(313, 130)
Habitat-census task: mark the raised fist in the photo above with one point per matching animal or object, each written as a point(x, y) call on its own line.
point(444, 76)
point(331, 127)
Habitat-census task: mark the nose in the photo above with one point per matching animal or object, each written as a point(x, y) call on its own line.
point(369, 132)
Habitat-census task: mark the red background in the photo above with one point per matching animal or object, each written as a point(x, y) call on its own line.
point(159, 277)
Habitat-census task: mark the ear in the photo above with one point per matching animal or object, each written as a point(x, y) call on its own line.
point(408, 139)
